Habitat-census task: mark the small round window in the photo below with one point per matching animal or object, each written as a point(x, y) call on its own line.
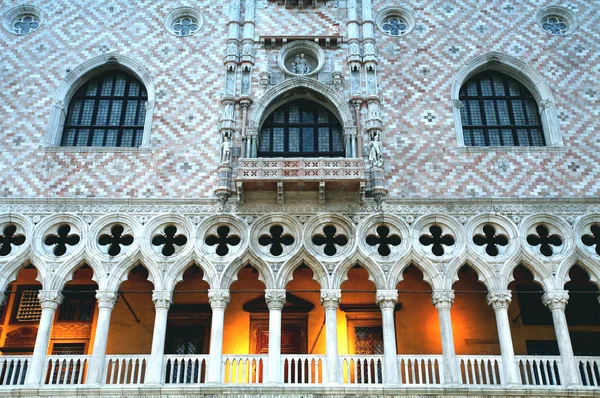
point(558, 21)
point(184, 21)
point(395, 21)
point(22, 20)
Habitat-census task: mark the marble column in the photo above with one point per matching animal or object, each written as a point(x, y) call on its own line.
point(162, 301)
point(218, 298)
point(387, 299)
point(106, 302)
point(500, 300)
point(275, 299)
point(49, 302)
point(443, 300)
point(330, 299)
point(557, 301)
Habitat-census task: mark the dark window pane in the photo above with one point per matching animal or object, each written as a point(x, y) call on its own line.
point(264, 143)
point(308, 139)
point(494, 137)
point(338, 142)
point(324, 139)
point(98, 137)
point(278, 117)
point(82, 137)
point(278, 139)
point(294, 139)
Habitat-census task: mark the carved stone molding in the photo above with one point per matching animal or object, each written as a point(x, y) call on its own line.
point(275, 299)
point(386, 298)
point(442, 299)
point(218, 298)
point(499, 299)
point(50, 298)
point(330, 298)
point(106, 298)
point(71, 331)
point(162, 298)
point(556, 299)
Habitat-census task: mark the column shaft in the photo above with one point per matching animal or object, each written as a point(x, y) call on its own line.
point(500, 301)
point(275, 299)
point(387, 299)
point(218, 301)
point(106, 302)
point(330, 299)
point(49, 301)
point(443, 301)
point(162, 302)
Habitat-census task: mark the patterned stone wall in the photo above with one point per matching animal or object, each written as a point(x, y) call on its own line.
point(415, 74)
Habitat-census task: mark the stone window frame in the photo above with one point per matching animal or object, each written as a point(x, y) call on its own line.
point(565, 13)
point(79, 76)
point(182, 12)
point(21, 10)
point(396, 11)
point(525, 75)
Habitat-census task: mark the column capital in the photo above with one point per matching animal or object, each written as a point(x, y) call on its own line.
point(330, 298)
point(50, 298)
point(556, 299)
point(275, 299)
point(499, 299)
point(442, 299)
point(106, 298)
point(386, 298)
point(162, 298)
point(218, 298)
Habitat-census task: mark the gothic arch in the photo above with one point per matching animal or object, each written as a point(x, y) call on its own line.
point(286, 272)
point(292, 89)
point(523, 73)
point(175, 274)
point(85, 71)
point(562, 273)
point(376, 275)
point(230, 272)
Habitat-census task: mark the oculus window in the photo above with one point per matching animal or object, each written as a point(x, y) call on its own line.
point(301, 129)
point(108, 110)
point(497, 110)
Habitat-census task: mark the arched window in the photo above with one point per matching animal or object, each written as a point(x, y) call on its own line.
point(108, 110)
point(301, 128)
point(497, 110)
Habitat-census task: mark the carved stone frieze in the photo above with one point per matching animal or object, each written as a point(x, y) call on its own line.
point(71, 331)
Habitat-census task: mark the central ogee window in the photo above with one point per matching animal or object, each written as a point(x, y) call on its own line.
point(301, 128)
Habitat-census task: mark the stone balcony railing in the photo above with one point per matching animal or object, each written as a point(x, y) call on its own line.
point(301, 174)
point(245, 371)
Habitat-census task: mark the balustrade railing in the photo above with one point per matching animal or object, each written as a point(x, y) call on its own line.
point(477, 370)
point(303, 369)
point(362, 369)
point(540, 371)
point(13, 370)
point(185, 369)
point(589, 370)
point(420, 369)
point(126, 369)
point(244, 369)
point(66, 369)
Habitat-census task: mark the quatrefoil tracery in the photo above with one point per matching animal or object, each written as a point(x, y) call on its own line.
point(593, 239)
point(490, 240)
point(330, 239)
point(61, 240)
point(545, 240)
point(383, 239)
point(168, 239)
point(436, 240)
point(223, 239)
point(115, 240)
point(276, 239)
point(9, 238)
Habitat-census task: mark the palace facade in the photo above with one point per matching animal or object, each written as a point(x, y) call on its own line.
point(300, 198)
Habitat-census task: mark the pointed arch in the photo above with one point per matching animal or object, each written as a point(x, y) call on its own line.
point(376, 275)
point(10, 272)
point(175, 273)
point(430, 273)
point(585, 263)
point(87, 70)
point(120, 272)
point(65, 273)
point(542, 277)
point(231, 270)
point(286, 271)
point(521, 72)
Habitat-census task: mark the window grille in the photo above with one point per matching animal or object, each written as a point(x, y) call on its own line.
point(68, 349)
point(108, 110)
point(301, 128)
point(29, 309)
point(497, 110)
point(77, 306)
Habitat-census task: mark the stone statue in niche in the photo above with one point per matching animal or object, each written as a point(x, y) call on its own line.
point(375, 151)
point(226, 155)
point(300, 65)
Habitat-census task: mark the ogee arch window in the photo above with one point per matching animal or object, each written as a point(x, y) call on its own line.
point(108, 110)
point(301, 128)
point(497, 110)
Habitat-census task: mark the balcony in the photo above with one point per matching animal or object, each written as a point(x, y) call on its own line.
point(301, 174)
point(244, 372)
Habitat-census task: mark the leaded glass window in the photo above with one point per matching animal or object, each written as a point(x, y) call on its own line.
point(108, 110)
point(497, 110)
point(301, 128)
point(555, 24)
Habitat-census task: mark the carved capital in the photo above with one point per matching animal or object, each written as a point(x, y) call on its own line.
point(386, 298)
point(162, 298)
point(457, 104)
point(275, 299)
point(106, 298)
point(442, 299)
point(149, 105)
point(50, 298)
point(545, 104)
point(58, 104)
point(330, 298)
point(499, 299)
point(556, 299)
point(218, 298)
